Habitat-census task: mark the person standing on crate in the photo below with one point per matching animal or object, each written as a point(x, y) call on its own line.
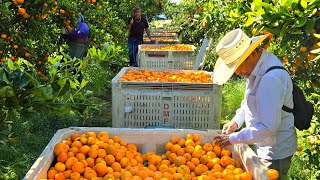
point(269, 128)
point(137, 25)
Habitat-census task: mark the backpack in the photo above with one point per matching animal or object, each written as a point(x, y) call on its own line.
point(302, 109)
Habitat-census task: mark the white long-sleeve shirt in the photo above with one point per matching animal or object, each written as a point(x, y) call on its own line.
point(268, 127)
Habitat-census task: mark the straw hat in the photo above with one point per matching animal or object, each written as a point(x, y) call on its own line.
point(233, 49)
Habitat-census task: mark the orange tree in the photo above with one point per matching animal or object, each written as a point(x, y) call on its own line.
point(295, 27)
point(33, 77)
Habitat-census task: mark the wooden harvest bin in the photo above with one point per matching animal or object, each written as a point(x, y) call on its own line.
point(147, 140)
point(175, 104)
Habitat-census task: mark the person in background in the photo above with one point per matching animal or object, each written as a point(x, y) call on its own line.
point(269, 128)
point(137, 25)
point(77, 39)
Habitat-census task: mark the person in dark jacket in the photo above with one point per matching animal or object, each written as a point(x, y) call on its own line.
point(137, 25)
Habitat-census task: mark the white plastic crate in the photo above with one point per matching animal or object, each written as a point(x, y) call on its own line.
point(147, 140)
point(179, 105)
point(166, 59)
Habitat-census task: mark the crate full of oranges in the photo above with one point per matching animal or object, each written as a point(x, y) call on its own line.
point(152, 154)
point(178, 98)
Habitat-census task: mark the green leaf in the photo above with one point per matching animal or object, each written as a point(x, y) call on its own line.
point(301, 21)
point(83, 83)
point(72, 84)
point(10, 65)
point(250, 21)
point(304, 4)
point(43, 93)
point(3, 76)
point(310, 24)
point(6, 91)
point(62, 82)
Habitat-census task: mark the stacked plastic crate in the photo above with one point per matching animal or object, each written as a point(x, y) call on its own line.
point(140, 98)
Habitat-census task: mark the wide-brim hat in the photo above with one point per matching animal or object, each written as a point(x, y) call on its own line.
point(233, 49)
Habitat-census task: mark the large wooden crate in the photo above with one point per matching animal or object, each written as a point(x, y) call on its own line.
point(179, 105)
point(166, 59)
point(147, 140)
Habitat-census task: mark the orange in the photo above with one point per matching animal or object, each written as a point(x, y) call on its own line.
point(272, 174)
point(76, 144)
point(190, 165)
point(59, 176)
point(60, 147)
point(163, 168)
point(78, 167)
point(179, 160)
point(90, 174)
point(3, 36)
point(189, 136)
point(199, 169)
point(60, 167)
point(204, 159)
point(196, 137)
point(116, 139)
point(102, 153)
point(70, 161)
point(183, 169)
point(101, 169)
point(217, 150)
point(211, 154)
point(111, 150)
point(189, 149)
point(187, 156)
point(175, 148)
point(116, 167)
point(67, 174)
point(22, 11)
point(109, 177)
point(168, 146)
point(51, 173)
point(90, 162)
point(225, 152)
point(237, 171)
point(109, 159)
point(182, 142)
point(75, 175)
point(62, 157)
point(225, 161)
point(75, 136)
point(172, 157)
point(80, 156)
point(246, 176)
point(207, 147)
point(84, 149)
point(189, 142)
point(195, 161)
point(174, 140)
point(181, 152)
point(93, 153)
point(124, 162)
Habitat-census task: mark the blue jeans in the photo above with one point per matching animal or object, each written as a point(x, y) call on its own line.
point(133, 50)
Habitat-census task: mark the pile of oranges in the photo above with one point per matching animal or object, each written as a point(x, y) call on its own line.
point(98, 156)
point(145, 75)
point(161, 39)
point(168, 47)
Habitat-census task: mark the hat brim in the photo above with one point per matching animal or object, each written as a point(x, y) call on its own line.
point(222, 72)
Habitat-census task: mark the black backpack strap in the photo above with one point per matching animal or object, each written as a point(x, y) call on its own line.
point(275, 67)
point(285, 108)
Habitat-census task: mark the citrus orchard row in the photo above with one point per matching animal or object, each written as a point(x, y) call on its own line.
point(100, 156)
point(145, 75)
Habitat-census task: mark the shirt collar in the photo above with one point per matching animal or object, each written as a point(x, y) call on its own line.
point(257, 68)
